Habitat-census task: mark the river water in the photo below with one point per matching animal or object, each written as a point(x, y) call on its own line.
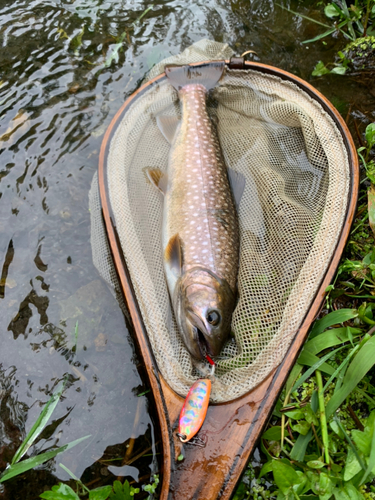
point(65, 69)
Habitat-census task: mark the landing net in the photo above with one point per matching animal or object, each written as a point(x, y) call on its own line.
point(291, 215)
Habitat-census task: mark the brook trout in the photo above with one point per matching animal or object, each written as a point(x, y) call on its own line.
point(200, 226)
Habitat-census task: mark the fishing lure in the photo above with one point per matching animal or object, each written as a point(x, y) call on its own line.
point(194, 409)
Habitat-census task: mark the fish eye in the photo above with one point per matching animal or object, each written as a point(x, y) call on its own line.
point(213, 317)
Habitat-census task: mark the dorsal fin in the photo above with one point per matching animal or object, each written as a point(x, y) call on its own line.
point(207, 74)
point(173, 255)
point(157, 178)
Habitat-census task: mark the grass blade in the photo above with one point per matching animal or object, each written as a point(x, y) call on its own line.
point(30, 463)
point(304, 17)
point(143, 14)
point(296, 370)
point(341, 367)
point(311, 370)
point(39, 425)
point(360, 365)
point(323, 419)
point(333, 318)
point(319, 37)
point(68, 471)
point(331, 338)
point(299, 449)
point(309, 359)
point(73, 476)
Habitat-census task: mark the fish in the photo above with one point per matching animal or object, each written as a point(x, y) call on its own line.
point(194, 410)
point(200, 234)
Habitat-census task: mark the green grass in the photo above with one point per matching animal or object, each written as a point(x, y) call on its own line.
point(320, 442)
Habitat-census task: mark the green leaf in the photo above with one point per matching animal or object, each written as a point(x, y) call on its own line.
point(319, 37)
point(371, 207)
point(267, 467)
point(333, 318)
point(284, 476)
point(360, 365)
point(352, 466)
point(323, 485)
point(310, 415)
point(331, 11)
point(303, 485)
point(315, 366)
point(272, 434)
point(240, 492)
point(350, 442)
point(336, 429)
point(30, 463)
point(117, 489)
point(294, 374)
point(320, 70)
point(39, 425)
point(362, 441)
point(314, 401)
point(68, 471)
point(302, 427)
point(60, 492)
point(309, 359)
point(340, 370)
point(331, 338)
point(339, 70)
point(347, 492)
point(120, 491)
point(299, 449)
point(281, 496)
point(315, 464)
point(295, 414)
point(101, 493)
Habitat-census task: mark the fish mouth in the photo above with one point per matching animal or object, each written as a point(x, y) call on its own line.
point(203, 345)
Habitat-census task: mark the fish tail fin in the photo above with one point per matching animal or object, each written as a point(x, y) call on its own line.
point(207, 74)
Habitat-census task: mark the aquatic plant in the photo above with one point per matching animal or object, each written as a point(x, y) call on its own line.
point(352, 21)
point(117, 491)
point(18, 466)
point(357, 58)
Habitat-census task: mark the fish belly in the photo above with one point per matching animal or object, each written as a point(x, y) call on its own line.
point(199, 205)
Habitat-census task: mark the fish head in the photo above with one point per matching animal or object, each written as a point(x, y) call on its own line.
point(205, 304)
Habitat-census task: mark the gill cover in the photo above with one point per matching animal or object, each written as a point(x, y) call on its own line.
point(203, 304)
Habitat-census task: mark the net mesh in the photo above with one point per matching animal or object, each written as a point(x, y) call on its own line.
point(290, 215)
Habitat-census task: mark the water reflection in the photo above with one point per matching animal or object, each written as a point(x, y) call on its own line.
point(66, 68)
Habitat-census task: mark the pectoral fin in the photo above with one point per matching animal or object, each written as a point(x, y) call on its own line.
point(168, 126)
point(158, 178)
point(237, 182)
point(173, 255)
